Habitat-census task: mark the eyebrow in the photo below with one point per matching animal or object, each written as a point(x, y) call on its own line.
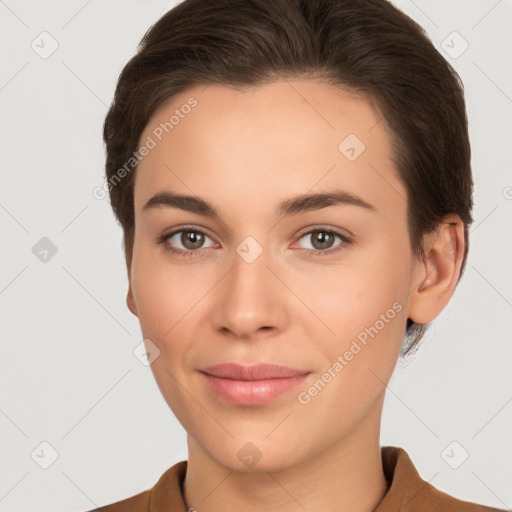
point(292, 206)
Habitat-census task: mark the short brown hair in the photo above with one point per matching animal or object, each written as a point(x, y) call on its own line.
point(366, 46)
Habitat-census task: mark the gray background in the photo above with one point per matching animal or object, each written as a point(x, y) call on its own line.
point(68, 374)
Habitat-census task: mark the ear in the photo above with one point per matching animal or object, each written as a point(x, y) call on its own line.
point(130, 301)
point(436, 275)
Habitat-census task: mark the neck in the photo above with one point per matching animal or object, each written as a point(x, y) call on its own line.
point(348, 476)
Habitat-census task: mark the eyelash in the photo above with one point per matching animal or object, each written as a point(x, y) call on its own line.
point(162, 239)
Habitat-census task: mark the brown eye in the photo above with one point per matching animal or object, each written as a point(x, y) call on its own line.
point(191, 239)
point(186, 241)
point(322, 240)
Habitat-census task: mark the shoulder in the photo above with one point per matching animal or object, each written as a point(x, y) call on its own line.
point(164, 495)
point(439, 500)
point(408, 492)
point(138, 503)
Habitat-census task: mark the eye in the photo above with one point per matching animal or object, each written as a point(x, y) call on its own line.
point(322, 241)
point(190, 239)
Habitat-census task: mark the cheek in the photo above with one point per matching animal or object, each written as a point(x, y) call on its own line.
point(158, 283)
point(369, 323)
point(165, 297)
point(171, 301)
point(353, 297)
point(163, 294)
point(362, 308)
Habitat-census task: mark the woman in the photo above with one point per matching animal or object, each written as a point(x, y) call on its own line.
point(293, 181)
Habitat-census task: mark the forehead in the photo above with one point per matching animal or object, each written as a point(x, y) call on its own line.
point(264, 143)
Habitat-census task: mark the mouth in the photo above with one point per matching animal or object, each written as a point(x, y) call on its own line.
point(251, 385)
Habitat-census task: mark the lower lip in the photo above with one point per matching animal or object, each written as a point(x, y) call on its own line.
point(252, 392)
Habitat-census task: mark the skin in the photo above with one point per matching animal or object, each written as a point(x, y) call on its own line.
point(246, 152)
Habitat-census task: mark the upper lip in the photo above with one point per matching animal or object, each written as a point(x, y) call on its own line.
point(257, 372)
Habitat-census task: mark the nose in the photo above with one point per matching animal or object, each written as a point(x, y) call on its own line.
point(250, 300)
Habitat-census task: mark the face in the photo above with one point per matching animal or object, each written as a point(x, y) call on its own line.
point(321, 285)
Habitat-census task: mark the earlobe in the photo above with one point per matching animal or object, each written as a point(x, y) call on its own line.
point(436, 276)
point(130, 301)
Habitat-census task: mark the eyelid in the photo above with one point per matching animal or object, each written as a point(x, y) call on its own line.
point(167, 235)
point(343, 232)
point(320, 227)
point(336, 232)
point(188, 227)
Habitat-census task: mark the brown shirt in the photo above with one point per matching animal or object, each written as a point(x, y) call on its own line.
point(407, 491)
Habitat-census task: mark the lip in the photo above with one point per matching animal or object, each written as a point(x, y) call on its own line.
point(255, 372)
point(251, 385)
